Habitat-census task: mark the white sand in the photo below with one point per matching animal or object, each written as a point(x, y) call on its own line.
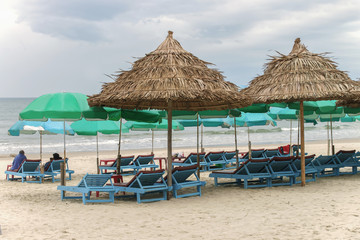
point(326, 209)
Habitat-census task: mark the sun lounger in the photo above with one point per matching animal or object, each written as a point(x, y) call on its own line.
point(28, 168)
point(145, 161)
point(90, 183)
point(215, 160)
point(255, 153)
point(191, 159)
point(145, 182)
point(126, 163)
point(348, 159)
point(269, 153)
point(180, 176)
point(279, 168)
point(253, 171)
point(327, 165)
point(53, 169)
point(309, 168)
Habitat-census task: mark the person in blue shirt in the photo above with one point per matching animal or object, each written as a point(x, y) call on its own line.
point(18, 160)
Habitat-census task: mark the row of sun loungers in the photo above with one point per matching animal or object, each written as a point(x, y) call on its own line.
point(267, 172)
point(29, 171)
point(142, 184)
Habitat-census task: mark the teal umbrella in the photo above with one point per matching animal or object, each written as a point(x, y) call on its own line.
point(62, 106)
point(31, 127)
point(252, 119)
point(163, 126)
point(92, 128)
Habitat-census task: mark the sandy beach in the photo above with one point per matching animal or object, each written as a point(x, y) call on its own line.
point(326, 209)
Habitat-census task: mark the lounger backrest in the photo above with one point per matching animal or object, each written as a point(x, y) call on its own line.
point(94, 180)
point(144, 159)
point(271, 153)
point(192, 158)
point(308, 160)
point(255, 153)
point(323, 160)
point(257, 165)
point(146, 178)
point(181, 174)
point(29, 165)
point(214, 156)
point(229, 155)
point(280, 163)
point(343, 155)
point(55, 165)
point(126, 160)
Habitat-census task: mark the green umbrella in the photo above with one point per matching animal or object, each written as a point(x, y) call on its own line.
point(61, 106)
point(163, 126)
point(92, 128)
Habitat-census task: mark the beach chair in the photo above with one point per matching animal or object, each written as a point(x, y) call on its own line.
point(28, 168)
point(255, 154)
point(253, 172)
point(145, 182)
point(191, 159)
point(126, 163)
point(180, 176)
point(145, 161)
point(327, 165)
point(90, 183)
point(215, 160)
point(348, 159)
point(53, 169)
point(279, 168)
point(269, 153)
point(309, 168)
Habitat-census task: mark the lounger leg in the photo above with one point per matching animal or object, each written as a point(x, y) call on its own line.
point(245, 183)
point(199, 190)
point(165, 195)
point(175, 193)
point(216, 181)
point(111, 196)
point(62, 195)
point(84, 198)
point(138, 197)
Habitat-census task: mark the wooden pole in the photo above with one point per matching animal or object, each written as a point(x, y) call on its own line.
point(118, 159)
point(169, 150)
point(236, 148)
point(302, 144)
point(298, 139)
point(152, 141)
point(332, 137)
point(249, 142)
point(97, 153)
point(202, 137)
point(42, 170)
point(62, 165)
point(328, 138)
point(291, 150)
point(197, 144)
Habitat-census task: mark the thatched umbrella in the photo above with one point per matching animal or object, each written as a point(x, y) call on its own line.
point(300, 76)
point(170, 78)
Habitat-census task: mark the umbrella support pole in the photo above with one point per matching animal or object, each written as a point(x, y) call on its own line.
point(236, 148)
point(302, 144)
point(118, 159)
point(328, 138)
point(169, 149)
point(62, 164)
point(332, 137)
point(202, 137)
point(197, 145)
point(291, 150)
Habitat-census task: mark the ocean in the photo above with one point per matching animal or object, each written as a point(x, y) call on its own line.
point(213, 136)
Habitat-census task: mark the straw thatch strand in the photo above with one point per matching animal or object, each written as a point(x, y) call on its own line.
point(170, 73)
point(300, 76)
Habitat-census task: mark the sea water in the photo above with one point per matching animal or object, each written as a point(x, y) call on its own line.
point(212, 136)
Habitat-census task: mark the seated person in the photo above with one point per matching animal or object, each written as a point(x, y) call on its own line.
point(56, 156)
point(18, 160)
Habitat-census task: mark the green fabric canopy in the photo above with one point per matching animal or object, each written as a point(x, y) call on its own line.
point(92, 128)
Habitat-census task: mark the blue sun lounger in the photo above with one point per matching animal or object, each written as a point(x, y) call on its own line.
point(215, 160)
point(126, 163)
point(54, 169)
point(309, 168)
point(279, 168)
point(253, 171)
point(90, 183)
point(255, 153)
point(145, 182)
point(28, 168)
point(327, 165)
point(145, 161)
point(180, 176)
point(191, 159)
point(348, 159)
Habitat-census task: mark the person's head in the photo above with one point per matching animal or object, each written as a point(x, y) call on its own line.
point(56, 156)
point(21, 152)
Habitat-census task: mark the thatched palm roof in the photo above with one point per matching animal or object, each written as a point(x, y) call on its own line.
point(300, 76)
point(170, 74)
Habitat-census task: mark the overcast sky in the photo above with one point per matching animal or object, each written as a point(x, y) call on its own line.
point(70, 45)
